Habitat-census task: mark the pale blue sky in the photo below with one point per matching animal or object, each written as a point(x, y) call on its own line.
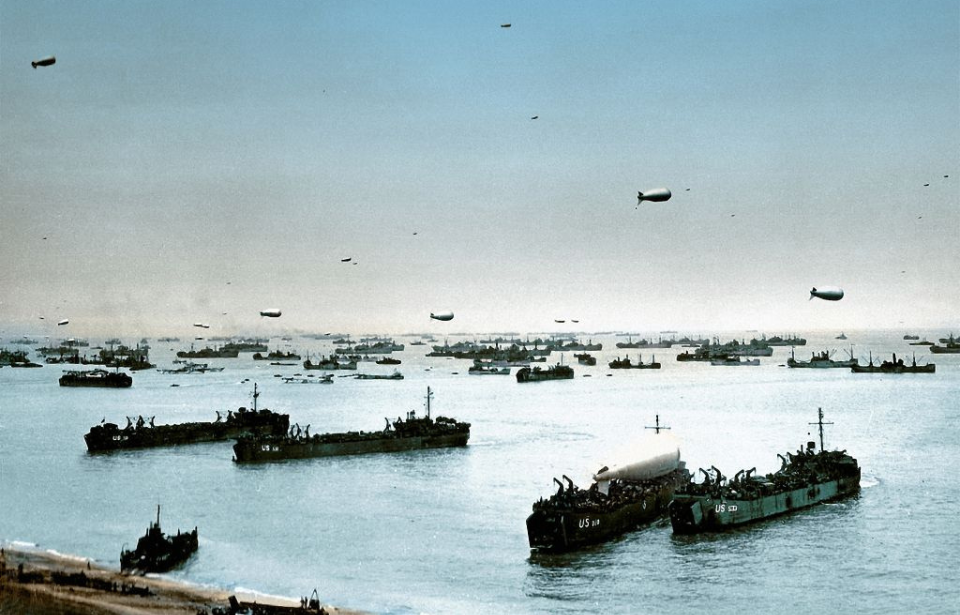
point(178, 146)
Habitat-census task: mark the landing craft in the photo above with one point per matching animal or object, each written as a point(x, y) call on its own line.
point(656, 195)
point(271, 313)
point(442, 316)
point(829, 293)
point(47, 61)
point(63, 322)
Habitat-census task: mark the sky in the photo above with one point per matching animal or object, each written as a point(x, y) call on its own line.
point(192, 162)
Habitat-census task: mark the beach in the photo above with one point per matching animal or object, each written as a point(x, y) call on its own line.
point(39, 582)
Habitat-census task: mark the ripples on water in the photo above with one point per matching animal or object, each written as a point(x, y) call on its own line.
point(443, 531)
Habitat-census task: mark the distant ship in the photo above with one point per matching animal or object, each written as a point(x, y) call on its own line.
point(481, 369)
point(804, 479)
point(951, 345)
point(536, 374)
point(620, 500)
point(399, 435)
point(276, 355)
point(896, 366)
point(645, 344)
point(821, 360)
point(585, 358)
point(96, 378)
point(210, 353)
point(733, 361)
point(394, 376)
point(625, 363)
point(791, 340)
point(388, 361)
point(330, 363)
point(156, 552)
point(842, 336)
point(144, 434)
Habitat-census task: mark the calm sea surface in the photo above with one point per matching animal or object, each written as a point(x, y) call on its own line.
point(443, 531)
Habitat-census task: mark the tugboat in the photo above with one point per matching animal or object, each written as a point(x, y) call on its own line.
point(620, 500)
point(896, 366)
point(536, 374)
point(806, 477)
point(156, 552)
point(96, 378)
point(399, 435)
point(144, 434)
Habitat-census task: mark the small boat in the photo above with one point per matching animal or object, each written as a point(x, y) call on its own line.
point(157, 552)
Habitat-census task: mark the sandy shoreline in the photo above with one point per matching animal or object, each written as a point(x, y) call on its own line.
point(33, 581)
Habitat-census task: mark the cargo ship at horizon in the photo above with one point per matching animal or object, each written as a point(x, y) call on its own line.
point(804, 479)
point(896, 366)
point(144, 434)
point(413, 433)
point(621, 499)
point(820, 361)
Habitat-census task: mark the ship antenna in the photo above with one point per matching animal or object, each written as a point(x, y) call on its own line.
point(429, 396)
point(158, 515)
point(658, 427)
point(820, 423)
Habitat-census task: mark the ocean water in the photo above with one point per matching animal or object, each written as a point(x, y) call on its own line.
point(443, 531)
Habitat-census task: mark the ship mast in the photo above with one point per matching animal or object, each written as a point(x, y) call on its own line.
point(658, 427)
point(255, 396)
point(820, 423)
point(429, 397)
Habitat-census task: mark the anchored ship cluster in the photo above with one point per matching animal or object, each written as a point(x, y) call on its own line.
point(575, 517)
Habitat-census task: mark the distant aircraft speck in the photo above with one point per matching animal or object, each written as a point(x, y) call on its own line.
point(926, 184)
point(827, 293)
point(270, 313)
point(504, 25)
point(442, 315)
point(63, 322)
point(346, 260)
point(560, 321)
point(536, 117)
point(47, 61)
